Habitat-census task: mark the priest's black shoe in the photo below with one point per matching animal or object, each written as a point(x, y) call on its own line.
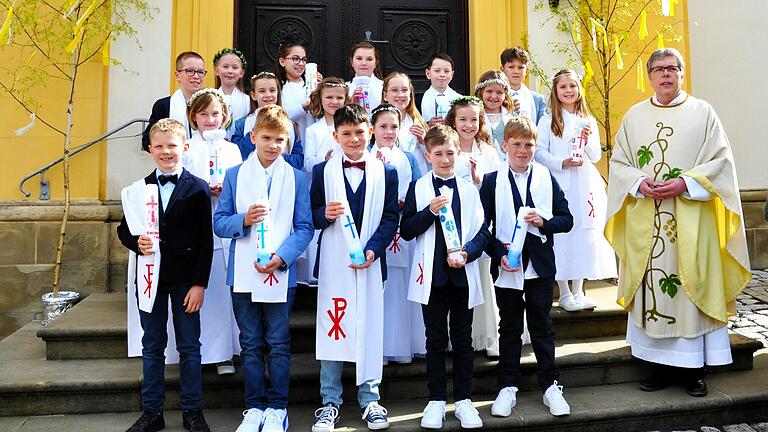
point(148, 422)
point(194, 421)
point(696, 387)
point(657, 381)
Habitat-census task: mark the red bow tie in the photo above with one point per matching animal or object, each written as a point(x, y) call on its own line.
point(349, 164)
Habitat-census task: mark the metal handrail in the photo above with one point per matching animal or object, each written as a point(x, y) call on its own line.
point(41, 171)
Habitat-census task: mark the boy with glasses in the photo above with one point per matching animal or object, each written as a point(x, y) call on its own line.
point(190, 73)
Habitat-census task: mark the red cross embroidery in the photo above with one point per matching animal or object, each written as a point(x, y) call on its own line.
point(271, 278)
point(339, 305)
point(420, 279)
point(148, 280)
point(395, 248)
point(152, 204)
point(591, 212)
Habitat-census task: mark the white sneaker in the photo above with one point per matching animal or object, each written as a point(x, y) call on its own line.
point(505, 401)
point(587, 303)
point(225, 368)
point(275, 420)
point(252, 420)
point(553, 398)
point(468, 415)
point(433, 416)
point(326, 418)
point(569, 304)
point(375, 416)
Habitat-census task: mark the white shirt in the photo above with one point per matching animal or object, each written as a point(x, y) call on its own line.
point(268, 172)
point(521, 181)
point(166, 190)
point(354, 175)
point(429, 102)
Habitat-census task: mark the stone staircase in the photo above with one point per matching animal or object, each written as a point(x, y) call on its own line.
point(78, 365)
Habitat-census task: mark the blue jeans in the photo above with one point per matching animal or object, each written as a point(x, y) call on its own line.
point(154, 341)
point(331, 388)
point(264, 324)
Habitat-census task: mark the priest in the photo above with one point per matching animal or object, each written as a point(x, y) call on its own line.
point(675, 221)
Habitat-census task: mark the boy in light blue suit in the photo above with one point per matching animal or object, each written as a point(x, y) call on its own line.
point(514, 64)
point(269, 211)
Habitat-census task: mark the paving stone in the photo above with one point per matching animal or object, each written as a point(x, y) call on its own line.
point(709, 429)
point(741, 427)
point(760, 427)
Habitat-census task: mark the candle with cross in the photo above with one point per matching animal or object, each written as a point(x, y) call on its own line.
point(450, 229)
point(263, 232)
point(152, 215)
point(351, 236)
point(516, 244)
point(579, 140)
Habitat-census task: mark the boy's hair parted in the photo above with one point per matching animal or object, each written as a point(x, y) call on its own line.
point(315, 99)
point(168, 125)
point(494, 77)
point(187, 55)
point(410, 109)
point(520, 127)
point(514, 53)
point(260, 76)
point(441, 134)
point(582, 110)
point(273, 118)
point(200, 101)
point(367, 45)
point(441, 56)
point(283, 50)
point(482, 135)
point(235, 52)
point(350, 114)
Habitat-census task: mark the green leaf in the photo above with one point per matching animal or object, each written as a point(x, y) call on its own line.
point(644, 155)
point(670, 285)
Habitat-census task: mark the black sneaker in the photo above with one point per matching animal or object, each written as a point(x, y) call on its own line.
point(194, 421)
point(148, 422)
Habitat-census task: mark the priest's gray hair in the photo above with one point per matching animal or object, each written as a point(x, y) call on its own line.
point(664, 52)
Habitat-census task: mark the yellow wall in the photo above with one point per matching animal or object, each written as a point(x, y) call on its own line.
point(493, 26)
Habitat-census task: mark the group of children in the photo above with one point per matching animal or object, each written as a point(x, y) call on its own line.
point(404, 222)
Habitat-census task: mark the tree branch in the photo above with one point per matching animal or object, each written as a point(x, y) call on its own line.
point(23, 105)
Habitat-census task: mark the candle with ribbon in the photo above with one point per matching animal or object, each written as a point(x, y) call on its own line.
point(310, 77)
point(579, 139)
point(448, 225)
point(515, 250)
point(216, 171)
point(363, 82)
point(351, 236)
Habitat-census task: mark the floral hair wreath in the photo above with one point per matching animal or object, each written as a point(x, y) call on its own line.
point(333, 84)
point(486, 83)
point(571, 73)
point(389, 108)
point(264, 74)
point(233, 51)
point(470, 100)
point(216, 92)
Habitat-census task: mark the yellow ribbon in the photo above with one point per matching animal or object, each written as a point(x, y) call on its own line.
point(617, 48)
point(588, 72)
point(672, 7)
point(643, 25)
point(105, 51)
point(640, 75)
point(84, 17)
point(73, 43)
point(660, 39)
point(6, 29)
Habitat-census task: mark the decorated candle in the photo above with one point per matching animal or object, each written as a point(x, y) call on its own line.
point(310, 77)
point(518, 238)
point(448, 225)
point(152, 215)
point(351, 236)
point(263, 232)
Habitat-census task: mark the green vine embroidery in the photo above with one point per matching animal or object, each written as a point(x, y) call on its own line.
point(668, 284)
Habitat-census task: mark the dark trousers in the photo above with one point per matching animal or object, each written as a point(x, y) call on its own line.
point(448, 302)
point(536, 304)
point(154, 341)
point(264, 325)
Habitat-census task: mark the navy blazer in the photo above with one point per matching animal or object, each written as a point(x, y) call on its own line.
point(541, 255)
point(244, 143)
point(228, 223)
point(416, 222)
point(160, 110)
point(385, 232)
point(186, 232)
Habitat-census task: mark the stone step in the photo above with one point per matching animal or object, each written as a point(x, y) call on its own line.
point(733, 398)
point(32, 385)
point(96, 327)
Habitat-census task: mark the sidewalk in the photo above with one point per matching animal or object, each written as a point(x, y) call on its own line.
point(751, 319)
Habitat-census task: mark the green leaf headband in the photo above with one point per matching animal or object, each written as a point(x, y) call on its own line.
point(216, 92)
point(233, 51)
point(469, 100)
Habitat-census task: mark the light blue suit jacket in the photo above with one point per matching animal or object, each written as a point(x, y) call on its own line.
point(227, 223)
point(539, 107)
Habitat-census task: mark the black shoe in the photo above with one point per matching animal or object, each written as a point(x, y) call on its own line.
point(657, 381)
point(194, 421)
point(696, 387)
point(148, 422)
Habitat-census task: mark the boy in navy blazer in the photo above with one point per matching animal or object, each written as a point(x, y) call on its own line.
point(449, 288)
point(264, 320)
point(537, 265)
point(352, 293)
point(186, 248)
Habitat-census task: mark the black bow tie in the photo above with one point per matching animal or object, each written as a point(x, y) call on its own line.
point(165, 178)
point(451, 182)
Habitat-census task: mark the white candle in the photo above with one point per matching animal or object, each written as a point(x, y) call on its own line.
point(517, 241)
point(351, 236)
point(152, 215)
point(263, 232)
point(448, 224)
point(310, 77)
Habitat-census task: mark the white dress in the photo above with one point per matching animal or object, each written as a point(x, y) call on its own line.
point(293, 96)
point(582, 253)
point(238, 106)
point(409, 143)
point(219, 334)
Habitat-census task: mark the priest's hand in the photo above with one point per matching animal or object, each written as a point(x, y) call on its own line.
point(437, 203)
point(145, 245)
point(333, 210)
point(534, 219)
point(255, 214)
point(369, 257)
point(194, 299)
point(458, 263)
point(572, 162)
point(671, 188)
point(648, 188)
point(505, 265)
point(271, 266)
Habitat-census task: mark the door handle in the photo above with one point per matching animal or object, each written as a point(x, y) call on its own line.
point(368, 38)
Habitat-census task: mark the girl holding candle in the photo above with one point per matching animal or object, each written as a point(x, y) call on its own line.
point(365, 87)
point(569, 145)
